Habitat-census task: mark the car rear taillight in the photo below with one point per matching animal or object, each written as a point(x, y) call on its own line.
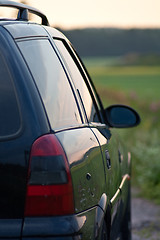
point(49, 187)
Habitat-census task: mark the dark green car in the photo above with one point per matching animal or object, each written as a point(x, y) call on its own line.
point(63, 173)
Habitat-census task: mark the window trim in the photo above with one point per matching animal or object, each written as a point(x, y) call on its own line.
point(85, 77)
point(76, 94)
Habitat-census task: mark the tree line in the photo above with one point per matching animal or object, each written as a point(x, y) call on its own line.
point(96, 42)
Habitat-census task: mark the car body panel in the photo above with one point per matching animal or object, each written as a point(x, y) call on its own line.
point(86, 164)
point(113, 174)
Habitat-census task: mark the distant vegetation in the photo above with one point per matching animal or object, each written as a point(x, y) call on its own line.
point(132, 43)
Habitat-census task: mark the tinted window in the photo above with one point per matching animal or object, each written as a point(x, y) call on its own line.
point(52, 82)
point(78, 81)
point(9, 111)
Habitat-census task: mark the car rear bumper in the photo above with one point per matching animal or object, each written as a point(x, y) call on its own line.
point(53, 226)
point(78, 237)
point(75, 227)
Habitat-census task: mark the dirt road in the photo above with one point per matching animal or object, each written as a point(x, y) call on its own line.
point(145, 219)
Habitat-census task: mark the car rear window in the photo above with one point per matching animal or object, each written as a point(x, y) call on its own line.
point(9, 111)
point(52, 82)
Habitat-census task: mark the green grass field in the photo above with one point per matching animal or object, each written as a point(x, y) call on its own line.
point(139, 87)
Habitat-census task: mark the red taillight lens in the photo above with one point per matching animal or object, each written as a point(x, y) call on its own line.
point(49, 189)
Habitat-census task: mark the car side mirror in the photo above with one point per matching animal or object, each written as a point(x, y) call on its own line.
point(121, 116)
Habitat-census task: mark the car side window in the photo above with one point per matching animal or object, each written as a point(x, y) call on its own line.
point(10, 121)
point(52, 82)
point(78, 81)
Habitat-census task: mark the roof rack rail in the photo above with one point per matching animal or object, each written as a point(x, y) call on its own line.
point(23, 11)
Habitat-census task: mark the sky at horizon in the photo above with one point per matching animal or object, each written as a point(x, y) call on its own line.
point(100, 13)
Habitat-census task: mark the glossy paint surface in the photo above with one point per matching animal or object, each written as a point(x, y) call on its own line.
point(86, 165)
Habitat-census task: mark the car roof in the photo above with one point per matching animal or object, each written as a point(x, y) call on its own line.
point(20, 29)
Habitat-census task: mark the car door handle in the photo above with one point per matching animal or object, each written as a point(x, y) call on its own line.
point(88, 176)
point(120, 156)
point(108, 160)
